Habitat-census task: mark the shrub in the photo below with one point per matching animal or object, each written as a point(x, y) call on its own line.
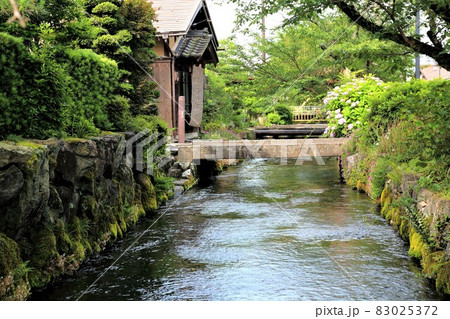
point(32, 91)
point(119, 113)
point(285, 114)
point(406, 125)
point(149, 122)
point(105, 8)
point(273, 118)
point(94, 79)
point(347, 105)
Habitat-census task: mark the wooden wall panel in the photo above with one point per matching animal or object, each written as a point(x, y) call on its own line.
point(162, 73)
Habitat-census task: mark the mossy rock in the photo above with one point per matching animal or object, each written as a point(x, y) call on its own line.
point(386, 196)
point(9, 255)
point(360, 186)
point(417, 246)
point(115, 230)
point(44, 248)
point(30, 144)
point(136, 211)
point(404, 228)
point(443, 279)
point(64, 243)
point(432, 262)
point(148, 193)
point(13, 271)
point(79, 252)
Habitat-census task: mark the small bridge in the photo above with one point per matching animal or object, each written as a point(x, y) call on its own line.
point(243, 149)
point(290, 131)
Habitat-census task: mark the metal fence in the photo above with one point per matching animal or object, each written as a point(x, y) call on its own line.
point(305, 114)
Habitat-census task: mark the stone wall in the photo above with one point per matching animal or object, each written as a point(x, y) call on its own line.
point(61, 200)
point(422, 219)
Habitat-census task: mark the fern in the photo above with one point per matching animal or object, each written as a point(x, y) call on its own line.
point(22, 271)
point(416, 218)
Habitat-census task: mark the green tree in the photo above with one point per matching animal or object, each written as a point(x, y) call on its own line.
point(137, 17)
point(390, 20)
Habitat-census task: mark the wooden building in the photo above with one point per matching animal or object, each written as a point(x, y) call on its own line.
point(185, 44)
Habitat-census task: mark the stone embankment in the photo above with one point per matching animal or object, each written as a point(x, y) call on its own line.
point(62, 200)
point(422, 219)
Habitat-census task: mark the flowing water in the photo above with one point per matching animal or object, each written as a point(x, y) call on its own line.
point(260, 231)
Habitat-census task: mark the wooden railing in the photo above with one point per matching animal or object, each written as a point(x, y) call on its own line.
point(305, 114)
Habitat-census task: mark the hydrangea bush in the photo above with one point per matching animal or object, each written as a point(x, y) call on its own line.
point(347, 105)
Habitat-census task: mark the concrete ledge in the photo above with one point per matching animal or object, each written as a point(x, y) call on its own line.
point(242, 149)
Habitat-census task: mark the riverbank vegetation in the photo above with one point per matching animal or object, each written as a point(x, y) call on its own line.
point(77, 68)
point(399, 154)
point(399, 127)
point(261, 83)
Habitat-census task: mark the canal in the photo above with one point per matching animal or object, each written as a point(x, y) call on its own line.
point(260, 231)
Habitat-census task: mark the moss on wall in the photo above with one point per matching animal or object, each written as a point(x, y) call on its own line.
point(89, 198)
point(433, 261)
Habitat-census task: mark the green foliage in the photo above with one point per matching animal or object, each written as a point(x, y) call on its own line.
point(382, 19)
point(22, 271)
point(94, 81)
point(53, 83)
point(105, 8)
point(416, 218)
point(32, 91)
point(347, 105)
point(378, 178)
point(405, 130)
point(273, 118)
point(163, 187)
point(149, 122)
point(137, 17)
point(285, 113)
point(119, 113)
point(303, 61)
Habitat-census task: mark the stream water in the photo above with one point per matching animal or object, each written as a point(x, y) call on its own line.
point(260, 231)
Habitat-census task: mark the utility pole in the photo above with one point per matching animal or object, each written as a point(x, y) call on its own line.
point(263, 32)
point(418, 74)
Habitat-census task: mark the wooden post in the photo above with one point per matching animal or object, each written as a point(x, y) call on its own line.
point(181, 127)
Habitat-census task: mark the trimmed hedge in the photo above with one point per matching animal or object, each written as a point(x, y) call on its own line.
point(32, 92)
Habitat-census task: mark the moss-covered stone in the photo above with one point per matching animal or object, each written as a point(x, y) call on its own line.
point(431, 262)
point(14, 278)
point(30, 144)
point(74, 197)
point(79, 252)
point(417, 246)
point(148, 193)
point(432, 259)
point(44, 248)
point(9, 256)
point(443, 279)
point(63, 241)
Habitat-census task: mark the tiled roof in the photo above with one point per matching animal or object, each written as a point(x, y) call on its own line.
point(175, 15)
point(194, 44)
